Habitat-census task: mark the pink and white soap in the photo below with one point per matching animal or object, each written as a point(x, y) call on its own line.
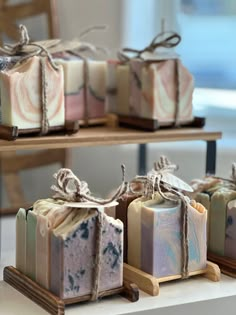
point(73, 249)
point(153, 90)
point(21, 96)
point(83, 98)
point(156, 247)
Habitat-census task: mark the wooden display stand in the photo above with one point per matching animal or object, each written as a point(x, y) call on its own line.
point(50, 302)
point(13, 132)
point(150, 284)
point(227, 265)
point(153, 124)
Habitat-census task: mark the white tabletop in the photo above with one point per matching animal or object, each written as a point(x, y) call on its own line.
point(195, 295)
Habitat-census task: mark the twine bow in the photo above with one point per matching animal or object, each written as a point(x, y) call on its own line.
point(68, 187)
point(165, 40)
point(153, 182)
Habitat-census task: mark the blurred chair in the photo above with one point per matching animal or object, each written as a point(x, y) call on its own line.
point(11, 162)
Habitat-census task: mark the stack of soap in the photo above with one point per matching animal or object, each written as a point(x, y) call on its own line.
point(56, 247)
point(73, 250)
point(152, 89)
point(84, 98)
point(156, 247)
point(21, 95)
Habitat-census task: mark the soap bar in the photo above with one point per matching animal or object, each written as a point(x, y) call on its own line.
point(73, 245)
point(154, 90)
point(50, 213)
point(21, 98)
point(156, 247)
point(21, 240)
point(73, 87)
point(230, 233)
point(77, 104)
point(219, 201)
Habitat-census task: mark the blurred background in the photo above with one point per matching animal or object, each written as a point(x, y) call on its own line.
point(208, 50)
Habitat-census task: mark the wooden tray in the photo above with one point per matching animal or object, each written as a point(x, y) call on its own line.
point(13, 132)
point(50, 302)
point(227, 265)
point(150, 284)
point(153, 124)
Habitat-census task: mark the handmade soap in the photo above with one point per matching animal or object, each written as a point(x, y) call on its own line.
point(50, 213)
point(77, 104)
point(73, 249)
point(73, 86)
point(230, 233)
point(219, 201)
point(156, 247)
point(150, 89)
point(21, 240)
point(21, 95)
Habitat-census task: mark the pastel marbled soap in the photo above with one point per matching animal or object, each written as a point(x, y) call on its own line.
point(77, 96)
point(73, 246)
point(154, 90)
point(21, 96)
point(156, 247)
point(148, 89)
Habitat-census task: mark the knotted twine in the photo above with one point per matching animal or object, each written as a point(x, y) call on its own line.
point(19, 49)
point(164, 40)
point(153, 183)
point(69, 188)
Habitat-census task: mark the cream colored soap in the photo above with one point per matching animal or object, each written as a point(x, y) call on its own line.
point(21, 96)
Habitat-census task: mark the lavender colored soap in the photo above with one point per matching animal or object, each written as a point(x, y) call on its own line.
point(73, 246)
point(156, 248)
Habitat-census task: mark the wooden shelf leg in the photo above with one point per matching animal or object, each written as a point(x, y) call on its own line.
point(211, 157)
point(142, 159)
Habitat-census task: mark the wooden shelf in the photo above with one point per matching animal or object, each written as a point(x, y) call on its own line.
point(95, 136)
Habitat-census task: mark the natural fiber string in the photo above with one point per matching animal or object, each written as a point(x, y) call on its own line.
point(45, 122)
point(81, 193)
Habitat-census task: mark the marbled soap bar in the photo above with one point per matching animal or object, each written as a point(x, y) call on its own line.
point(230, 233)
point(156, 247)
point(96, 90)
point(153, 90)
point(74, 88)
point(73, 246)
point(21, 96)
point(218, 210)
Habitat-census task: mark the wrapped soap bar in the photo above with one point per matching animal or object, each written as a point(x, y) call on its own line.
point(219, 195)
point(21, 94)
point(73, 251)
point(156, 247)
point(84, 87)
